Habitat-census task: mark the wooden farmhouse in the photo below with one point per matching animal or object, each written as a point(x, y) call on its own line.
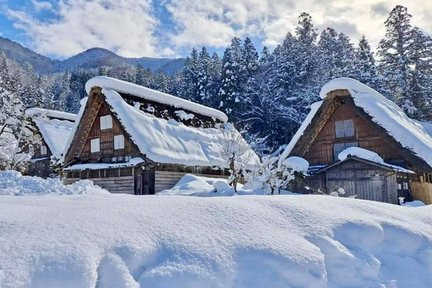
point(132, 139)
point(354, 115)
point(53, 128)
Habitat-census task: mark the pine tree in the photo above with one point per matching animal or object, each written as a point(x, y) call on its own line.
point(365, 66)
point(232, 68)
point(394, 55)
point(190, 74)
point(420, 86)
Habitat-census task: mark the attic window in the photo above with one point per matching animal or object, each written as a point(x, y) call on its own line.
point(119, 142)
point(106, 122)
point(344, 128)
point(95, 145)
point(43, 150)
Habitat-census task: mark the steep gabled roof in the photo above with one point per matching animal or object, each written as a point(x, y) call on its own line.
point(153, 95)
point(383, 112)
point(158, 139)
point(54, 126)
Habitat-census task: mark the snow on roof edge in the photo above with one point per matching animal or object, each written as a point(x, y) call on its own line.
point(314, 109)
point(36, 112)
point(153, 95)
point(404, 130)
point(83, 103)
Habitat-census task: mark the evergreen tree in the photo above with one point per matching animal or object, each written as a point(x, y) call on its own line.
point(394, 55)
point(190, 85)
point(420, 86)
point(365, 64)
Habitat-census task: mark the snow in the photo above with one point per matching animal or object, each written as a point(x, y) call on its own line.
point(415, 203)
point(408, 132)
point(314, 108)
point(13, 183)
point(193, 185)
point(386, 114)
point(370, 156)
point(183, 115)
point(153, 95)
point(361, 153)
point(38, 112)
point(55, 127)
point(94, 166)
point(245, 241)
point(83, 103)
point(297, 164)
point(170, 141)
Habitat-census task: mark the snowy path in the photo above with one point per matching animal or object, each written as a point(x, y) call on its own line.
point(246, 241)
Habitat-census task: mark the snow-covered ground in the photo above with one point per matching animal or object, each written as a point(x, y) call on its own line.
point(13, 183)
point(107, 240)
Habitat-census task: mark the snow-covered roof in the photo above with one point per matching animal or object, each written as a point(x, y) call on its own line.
point(153, 95)
point(55, 127)
point(38, 112)
point(408, 132)
point(369, 156)
point(168, 141)
point(94, 166)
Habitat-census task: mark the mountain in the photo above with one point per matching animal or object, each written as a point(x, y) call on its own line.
point(96, 57)
point(23, 55)
point(89, 59)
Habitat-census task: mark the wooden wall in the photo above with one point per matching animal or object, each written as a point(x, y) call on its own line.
point(106, 137)
point(422, 191)
point(365, 133)
point(124, 184)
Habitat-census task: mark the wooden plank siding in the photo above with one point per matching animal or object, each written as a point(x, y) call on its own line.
point(422, 191)
point(366, 135)
point(124, 184)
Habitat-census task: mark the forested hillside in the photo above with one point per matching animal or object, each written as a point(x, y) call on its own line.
point(268, 93)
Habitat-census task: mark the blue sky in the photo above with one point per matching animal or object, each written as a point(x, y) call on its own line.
point(170, 28)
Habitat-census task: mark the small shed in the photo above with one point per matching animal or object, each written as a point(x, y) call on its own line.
point(364, 179)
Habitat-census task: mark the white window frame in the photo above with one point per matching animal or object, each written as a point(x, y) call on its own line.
point(106, 122)
point(95, 145)
point(119, 142)
point(43, 150)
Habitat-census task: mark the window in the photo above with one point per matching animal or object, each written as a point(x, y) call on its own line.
point(43, 150)
point(339, 147)
point(106, 122)
point(405, 185)
point(94, 145)
point(399, 186)
point(119, 142)
point(344, 128)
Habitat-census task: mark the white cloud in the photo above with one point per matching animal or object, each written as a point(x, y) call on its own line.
point(131, 28)
point(41, 5)
point(125, 26)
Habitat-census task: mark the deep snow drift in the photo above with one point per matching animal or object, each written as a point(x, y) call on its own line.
point(13, 183)
point(245, 241)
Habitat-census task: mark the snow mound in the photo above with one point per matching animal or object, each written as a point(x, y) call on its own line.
point(13, 183)
point(361, 153)
point(250, 241)
point(297, 164)
point(415, 203)
point(371, 156)
point(193, 185)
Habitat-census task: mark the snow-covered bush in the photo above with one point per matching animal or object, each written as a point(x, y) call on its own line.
point(273, 176)
point(237, 153)
point(16, 136)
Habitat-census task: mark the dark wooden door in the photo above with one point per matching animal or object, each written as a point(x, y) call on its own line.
point(148, 182)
